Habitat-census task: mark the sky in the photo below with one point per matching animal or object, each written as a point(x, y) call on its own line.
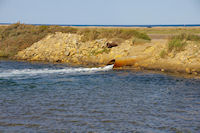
point(100, 12)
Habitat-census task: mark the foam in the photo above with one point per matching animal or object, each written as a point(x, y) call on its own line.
point(68, 70)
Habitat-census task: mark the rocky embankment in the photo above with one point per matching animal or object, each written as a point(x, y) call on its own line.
point(69, 48)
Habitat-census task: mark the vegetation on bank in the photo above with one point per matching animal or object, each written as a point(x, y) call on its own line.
point(177, 43)
point(96, 52)
point(163, 53)
point(170, 30)
point(16, 37)
point(98, 33)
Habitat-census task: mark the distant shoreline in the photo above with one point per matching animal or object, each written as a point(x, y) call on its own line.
point(128, 26)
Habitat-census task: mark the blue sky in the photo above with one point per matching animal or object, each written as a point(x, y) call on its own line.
point(121, 12)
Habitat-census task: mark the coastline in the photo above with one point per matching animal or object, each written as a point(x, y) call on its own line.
point(141, 57)
point(132, 53)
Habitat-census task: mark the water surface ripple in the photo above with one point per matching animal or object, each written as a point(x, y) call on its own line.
point(37, 97)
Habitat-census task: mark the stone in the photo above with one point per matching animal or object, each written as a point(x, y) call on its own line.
point(110, 45)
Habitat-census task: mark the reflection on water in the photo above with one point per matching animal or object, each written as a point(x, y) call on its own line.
point(101, 101)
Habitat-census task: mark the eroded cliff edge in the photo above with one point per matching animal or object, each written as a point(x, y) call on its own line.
point(154, 55)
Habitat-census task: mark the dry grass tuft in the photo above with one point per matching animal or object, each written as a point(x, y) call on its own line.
point(178, 42)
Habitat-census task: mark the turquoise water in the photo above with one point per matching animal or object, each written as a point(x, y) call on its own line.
point(37, 97)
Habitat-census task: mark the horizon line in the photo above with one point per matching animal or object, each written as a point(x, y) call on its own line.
point(115, 25)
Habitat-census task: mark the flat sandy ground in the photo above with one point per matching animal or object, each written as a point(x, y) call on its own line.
point(156, 32)
point(197, 28)
point(153, 32)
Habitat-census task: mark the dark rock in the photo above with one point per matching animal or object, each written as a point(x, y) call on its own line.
point(110, 45)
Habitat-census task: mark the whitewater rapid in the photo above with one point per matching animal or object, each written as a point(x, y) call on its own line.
point(67, 70)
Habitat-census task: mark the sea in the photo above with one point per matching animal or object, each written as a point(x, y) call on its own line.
point(38, 97)
point(110, 25)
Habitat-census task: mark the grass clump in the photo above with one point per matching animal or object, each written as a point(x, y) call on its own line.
point(187, 37)
point(178, 42)
point(163, 53)
point(89, 35)
point(191, 37)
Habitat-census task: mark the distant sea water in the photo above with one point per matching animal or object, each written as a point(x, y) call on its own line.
point(85, 25)
point(38, 97)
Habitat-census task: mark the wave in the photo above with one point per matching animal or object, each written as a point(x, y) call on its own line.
point(68, 70)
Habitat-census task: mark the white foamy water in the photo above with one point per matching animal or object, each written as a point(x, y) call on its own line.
point(68, 70)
